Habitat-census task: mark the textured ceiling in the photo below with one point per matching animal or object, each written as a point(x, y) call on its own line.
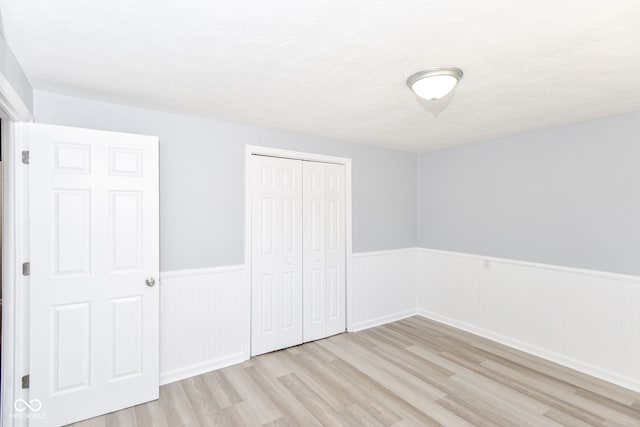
point(338, 68)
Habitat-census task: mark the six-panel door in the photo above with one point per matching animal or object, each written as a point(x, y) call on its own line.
point(94, 241)
point(276, 268)
point(324, 250)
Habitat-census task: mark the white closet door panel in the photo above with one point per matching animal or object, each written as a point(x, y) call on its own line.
point(276, 267)
point(314, 241)
point(94, 240)
point(335, 196)
point(324, 250)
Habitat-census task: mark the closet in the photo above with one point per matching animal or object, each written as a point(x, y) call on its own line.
point(298, 252)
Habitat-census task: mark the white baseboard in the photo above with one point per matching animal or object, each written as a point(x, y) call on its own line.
point(574, 364)
point(200, 368)
point(394, 317)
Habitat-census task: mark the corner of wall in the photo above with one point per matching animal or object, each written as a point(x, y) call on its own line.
point(16, 93)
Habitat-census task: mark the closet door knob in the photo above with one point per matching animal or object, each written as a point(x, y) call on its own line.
point(150, 281)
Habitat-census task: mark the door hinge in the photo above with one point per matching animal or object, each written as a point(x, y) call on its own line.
point(26, 268)
point(25, 157)
point(25, 381)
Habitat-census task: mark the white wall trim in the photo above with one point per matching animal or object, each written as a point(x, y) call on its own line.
point(568, 362)
point(297, 155)
point(201, 271)
point(384, 252)
point(15, 357)
point(551, 267)
point(382, 320)
point(11, 103)
point(200, 368)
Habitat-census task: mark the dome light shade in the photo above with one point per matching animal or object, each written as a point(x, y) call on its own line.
point(434, 83)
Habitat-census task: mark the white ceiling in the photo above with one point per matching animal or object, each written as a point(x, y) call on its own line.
point(338, 68)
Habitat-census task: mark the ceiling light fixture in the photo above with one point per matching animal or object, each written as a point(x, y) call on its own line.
point(434, 83)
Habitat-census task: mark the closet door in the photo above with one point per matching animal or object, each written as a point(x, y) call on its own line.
point(276, 267)
point(324, 250)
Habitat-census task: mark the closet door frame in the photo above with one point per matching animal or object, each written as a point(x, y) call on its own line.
point(295, 155)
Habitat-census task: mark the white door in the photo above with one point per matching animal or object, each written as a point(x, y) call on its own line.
point(276, 266)
point(94, 242)
point(324, 250)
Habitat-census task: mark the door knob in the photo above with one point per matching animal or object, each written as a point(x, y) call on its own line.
point(150, 281)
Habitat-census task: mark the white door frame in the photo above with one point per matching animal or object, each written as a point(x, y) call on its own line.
point(14, 241)
point(296, 155)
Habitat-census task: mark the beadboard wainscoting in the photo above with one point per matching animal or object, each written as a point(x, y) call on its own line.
point(202, 321)
point(582, 319)
point(384, 287)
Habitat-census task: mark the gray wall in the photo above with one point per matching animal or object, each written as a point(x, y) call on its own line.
point(566, 196)
point(12, 71)
point(202, 179)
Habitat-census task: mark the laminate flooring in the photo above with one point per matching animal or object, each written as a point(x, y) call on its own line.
point(414, 372)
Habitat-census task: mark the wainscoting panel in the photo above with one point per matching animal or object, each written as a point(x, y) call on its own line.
point(202, 321)
point(586, 320)
point(383, 287)
point(449, 285)
point(631, 330)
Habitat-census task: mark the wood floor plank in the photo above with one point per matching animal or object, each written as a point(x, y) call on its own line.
point(227, 387)
point(419, 394)
point(579, 406)
point(208, 412)
point(255, 406)
point(310, 399)
point(414, 372)
point(151, 414)
point(566, 419)
point(334, 382)
point(282, 398)
point(550, 369)
point(317, 382)
point(176, 405)
point(124, 418)
point(93, 422)
point(383, 396)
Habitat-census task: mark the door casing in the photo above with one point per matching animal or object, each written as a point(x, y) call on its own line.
point(15, 244)
point(296, 155)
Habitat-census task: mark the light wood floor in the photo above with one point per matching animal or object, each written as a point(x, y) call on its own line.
point(411, 372)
